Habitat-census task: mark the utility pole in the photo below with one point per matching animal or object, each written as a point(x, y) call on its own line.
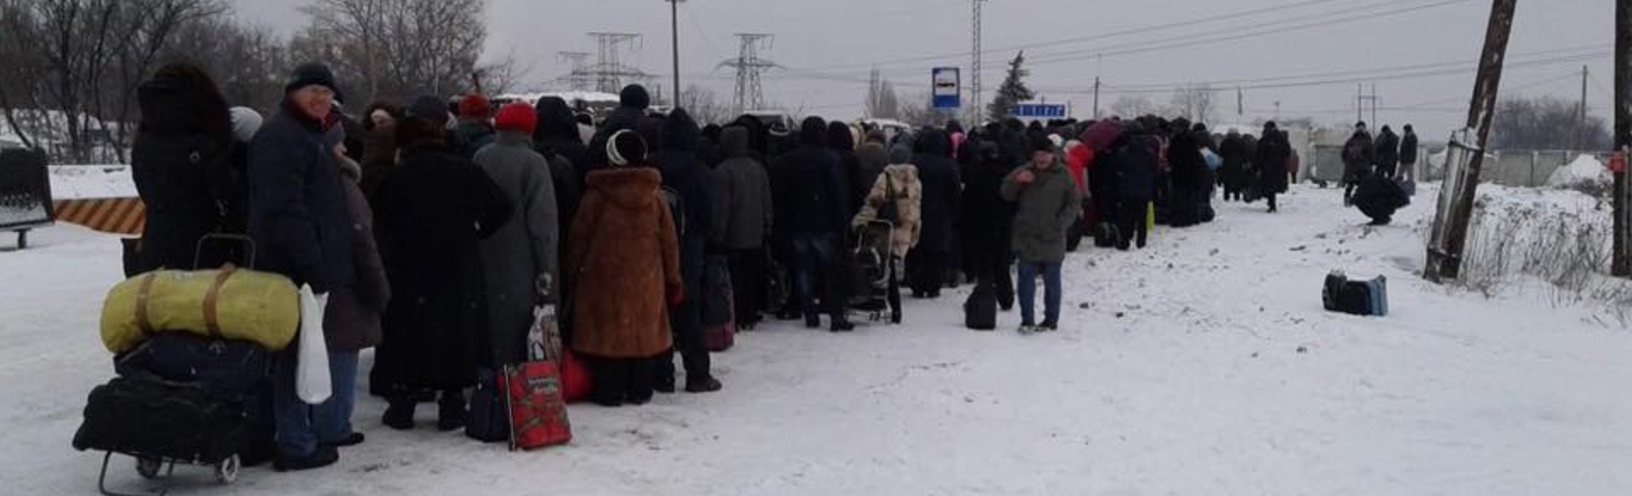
point(976, 111)
point(1240, 103)
point(1374, 101)
point(1361, 99)
point(750, 94)
point(674, 33)
point(1581, 125)
point(1096, 97)
point(1621, 250)
point(1460, 187)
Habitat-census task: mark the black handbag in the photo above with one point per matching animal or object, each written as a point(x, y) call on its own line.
point(889, 211)
point(489, 420)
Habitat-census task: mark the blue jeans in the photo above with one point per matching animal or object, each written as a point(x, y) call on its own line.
point(300, 427)
point(1028, 291)
point(332, 419)
point(814, 257)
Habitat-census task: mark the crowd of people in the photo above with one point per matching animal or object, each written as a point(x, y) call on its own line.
point(437, 229)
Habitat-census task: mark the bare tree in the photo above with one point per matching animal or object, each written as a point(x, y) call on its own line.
point(396, 49)
point(1194, 102)
point(79, 79)
point(1546, 123)
point(882, 102)
point(918, 109)
point(1129, 107)
point(705, 105)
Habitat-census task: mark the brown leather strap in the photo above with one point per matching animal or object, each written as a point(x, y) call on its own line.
point(141, 303)
point(210, 314)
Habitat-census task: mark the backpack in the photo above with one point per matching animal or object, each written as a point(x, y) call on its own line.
point(677, 209)
point(980, 310)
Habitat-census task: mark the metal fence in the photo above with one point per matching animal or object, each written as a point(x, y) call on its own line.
point(1520, 168)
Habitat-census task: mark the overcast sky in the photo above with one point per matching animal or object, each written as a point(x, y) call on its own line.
point(828, 47)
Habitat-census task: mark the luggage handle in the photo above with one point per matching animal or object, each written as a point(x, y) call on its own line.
point(248, 242)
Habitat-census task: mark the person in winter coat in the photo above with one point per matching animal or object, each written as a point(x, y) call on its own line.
point(988, 219)
point(812, 216)
point(1237, 165)
point(843, 145)
point(520, 260)
point(379, 145)
point(232, 192)
point(684, 173)
point(435, 209)
point(1388, 152)
point(1378, 197)
point(744, 213)
point(632, 104)
point(1137, 157)
point(1408, 154)
point(557, 134)
point(1184, 155)
point(302, 230)
point(896, 187)
point(872, 156)
point(624, 265)
point(1359, 153)
point(1047, 204)
point(1273, 152)
point(351, 320)
point(927, 264)
point(475, 128)
point(180, 163)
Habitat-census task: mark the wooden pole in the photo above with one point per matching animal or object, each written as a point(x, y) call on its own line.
point(1445, 252)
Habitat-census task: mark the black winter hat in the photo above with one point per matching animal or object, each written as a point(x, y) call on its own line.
point(311, 73)
point(1042, 144)
point(626, 148)
point(429, 107)
point(635, 96)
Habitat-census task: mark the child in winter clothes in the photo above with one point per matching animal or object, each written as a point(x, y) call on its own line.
point(899, 184)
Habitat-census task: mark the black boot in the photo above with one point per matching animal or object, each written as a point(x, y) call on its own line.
point(813, 321)
point(842, 324)
point(706, 385)
point(399, 414)
point(451, 411)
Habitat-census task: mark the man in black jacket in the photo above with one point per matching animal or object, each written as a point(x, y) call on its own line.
point(1388, 152)
point(299, 220)
point(685, 174)
point(1408, 154)
point(812, 202)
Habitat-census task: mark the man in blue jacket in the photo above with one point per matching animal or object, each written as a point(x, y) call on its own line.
point(299, 220)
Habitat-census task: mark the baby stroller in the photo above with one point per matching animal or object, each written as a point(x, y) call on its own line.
point(870, 269)
point(179, 398)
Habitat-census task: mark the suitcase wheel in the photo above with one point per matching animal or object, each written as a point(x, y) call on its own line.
point(148, 468)
point(226, 472)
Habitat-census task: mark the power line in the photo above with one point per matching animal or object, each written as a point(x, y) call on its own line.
point(1079, 39)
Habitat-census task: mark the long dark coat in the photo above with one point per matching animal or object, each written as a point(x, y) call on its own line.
point(435, 209)
point(178, 166)
point(1273, 152)
point(297, 206)
point(523, 249)
point(942, 189)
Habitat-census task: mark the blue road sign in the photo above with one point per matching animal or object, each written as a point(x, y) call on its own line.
point(948, 87)
point(1040, 110)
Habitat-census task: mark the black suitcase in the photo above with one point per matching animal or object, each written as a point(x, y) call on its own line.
point(980, 310)
point(217, 364)
point(150, 418)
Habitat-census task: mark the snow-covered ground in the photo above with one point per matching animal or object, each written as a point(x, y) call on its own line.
point(86, 182)
point(1203, 365)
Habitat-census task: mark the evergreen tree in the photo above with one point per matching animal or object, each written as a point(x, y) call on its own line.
point(1012, 92)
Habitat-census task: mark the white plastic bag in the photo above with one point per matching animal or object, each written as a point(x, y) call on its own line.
point(312, 383)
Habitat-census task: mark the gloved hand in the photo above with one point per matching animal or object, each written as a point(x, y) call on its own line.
point(677, 296)
point(544, 286)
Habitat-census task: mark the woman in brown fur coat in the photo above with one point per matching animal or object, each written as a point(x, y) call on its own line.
point(625, 263)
